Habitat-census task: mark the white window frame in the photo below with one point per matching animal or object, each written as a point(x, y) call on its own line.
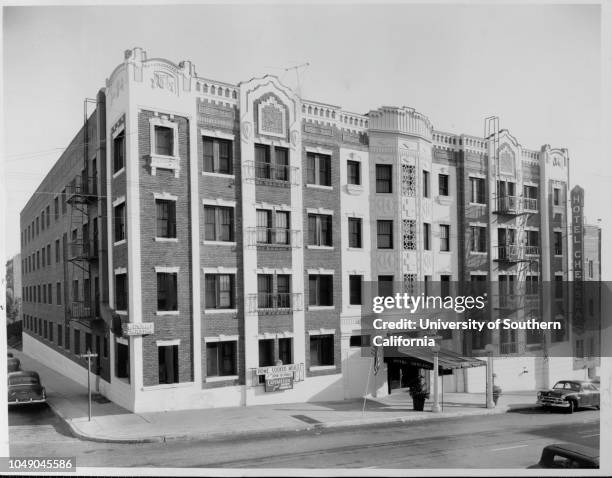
point(162, 161)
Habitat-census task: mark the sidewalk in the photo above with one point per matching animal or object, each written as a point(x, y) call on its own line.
point(112, 423)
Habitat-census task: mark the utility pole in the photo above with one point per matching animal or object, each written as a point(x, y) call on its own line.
point(88, 356)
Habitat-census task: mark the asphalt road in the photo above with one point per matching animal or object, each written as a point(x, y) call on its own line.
point(512, 440)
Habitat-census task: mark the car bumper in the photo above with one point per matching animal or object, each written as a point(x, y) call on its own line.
point(550, 403)
point(28, 401)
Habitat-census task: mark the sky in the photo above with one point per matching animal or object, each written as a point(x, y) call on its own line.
point(537, 67)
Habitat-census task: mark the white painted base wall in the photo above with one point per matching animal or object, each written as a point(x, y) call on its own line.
point(119, 393)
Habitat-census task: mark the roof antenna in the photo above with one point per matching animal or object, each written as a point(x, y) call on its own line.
point(298, 89)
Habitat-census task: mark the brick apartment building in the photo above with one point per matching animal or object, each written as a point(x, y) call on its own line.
point(196, 233)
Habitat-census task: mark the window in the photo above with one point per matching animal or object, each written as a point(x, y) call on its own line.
point(121, 292)
point(37, 226)
point(48, 212)
point(384, 178)
point(60, 335)
point(285, 350)
point(425, 184)
point(477, 190)
point(531, 285)
point(37, 259)
point(478, 239)
point(443, 184)
point(42, 220)
point(281, 160)
point(219, 291)
point(590, 269)
point(221, 359)
point(56, 208)
point(119, 152)
point(282, 227)
point(75, 290)
point(355, 289)
point(166, 218)
point(533, 240)
point(283, 289)
point(119, 216)
point(445, 285)
point(531, 197)
point(122, 360)
point(321, 290)
point(384, 234)
point(354, 225)
point(321, 350)
point(556, 196)
point(264, 291)
point(219, 223)
point(558, 243)
point(266, 352)
point(264, 226)
point(64, 204)
point(559, 286)
point(44, 257)
point(67, 337)
point(88, 343)
point(77, 342)
point(318, 169)
point(167, 361)
point(167, 291)
point(217, 155)
point(426, 236)
point(45, 329)
point(164, 140)
point(353, 172)
point(385, 285)
point(57, 251)
point(50, 293)
point(359, 341)
point(58, 293)
point(48, 254)
point(444, 237)
point(320, 230)
point(263, 167)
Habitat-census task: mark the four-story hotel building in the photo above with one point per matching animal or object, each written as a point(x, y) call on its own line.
point(209, 241)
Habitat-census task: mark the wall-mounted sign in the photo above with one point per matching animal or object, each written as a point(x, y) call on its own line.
point(577, 198)
point(142, 328)
point(279, 381)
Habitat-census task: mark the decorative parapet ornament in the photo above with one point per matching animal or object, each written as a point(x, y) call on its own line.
point(272, 120)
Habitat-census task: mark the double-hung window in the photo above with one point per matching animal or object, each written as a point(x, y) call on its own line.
point(220, 291)
point(384, 175)
point(354, 225)
point(221, 358)
point(353, 172)
point(167, 291)
point(217, 155)
point(219, 223)
point(320, 230)
point(164, 141)
point(321, 290)
point(384, 234)
point(166, 218)
point(318, 168)
point(119, 152)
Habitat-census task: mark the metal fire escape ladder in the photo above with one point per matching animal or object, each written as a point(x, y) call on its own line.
point(82, 249)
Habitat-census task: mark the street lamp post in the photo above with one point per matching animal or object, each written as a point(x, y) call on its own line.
point(436, 399)
point(489, 398)
point(89, 356)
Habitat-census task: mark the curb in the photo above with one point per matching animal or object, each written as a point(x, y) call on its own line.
point(226, 435)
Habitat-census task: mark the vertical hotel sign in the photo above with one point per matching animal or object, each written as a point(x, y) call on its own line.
point(577, 201)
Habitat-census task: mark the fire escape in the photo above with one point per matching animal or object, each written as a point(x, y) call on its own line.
point(82, 251)
point(516, 251)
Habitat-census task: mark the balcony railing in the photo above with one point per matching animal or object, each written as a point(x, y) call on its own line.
point(273, 237)
point(271, 174)
point(515, 253)
point(515, 205)
point(85, 310)
point(508, 348)
point(83, 250)
point(82, 189)
point(274, 303)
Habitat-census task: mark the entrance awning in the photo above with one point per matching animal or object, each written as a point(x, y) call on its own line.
point(423, 357)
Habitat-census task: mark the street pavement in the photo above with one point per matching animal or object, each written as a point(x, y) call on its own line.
point(511, 440)
point(112, 423)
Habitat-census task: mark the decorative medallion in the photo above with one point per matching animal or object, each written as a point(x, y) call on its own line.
point(271, 118)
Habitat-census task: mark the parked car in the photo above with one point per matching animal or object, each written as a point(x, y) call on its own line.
point(24, 388)
point(13, 364)
point(570, 395)
point(568, 455)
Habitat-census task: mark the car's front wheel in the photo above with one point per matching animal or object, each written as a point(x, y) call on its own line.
point(572, 406)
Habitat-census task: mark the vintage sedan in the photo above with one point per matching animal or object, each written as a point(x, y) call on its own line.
point(570, 395)
point(568, 455)
point(25, 388)
point(13, 364)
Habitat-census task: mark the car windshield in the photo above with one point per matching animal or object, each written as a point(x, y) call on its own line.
point(566, 386)
point(23, 380)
